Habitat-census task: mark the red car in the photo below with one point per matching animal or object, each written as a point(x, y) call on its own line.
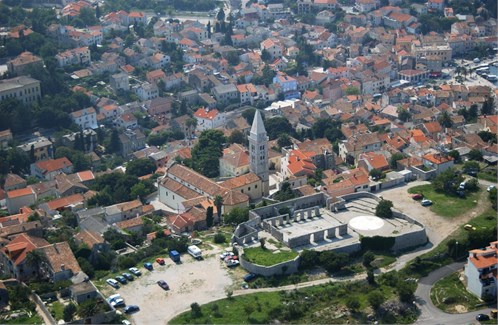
point(160, 261)
point(417, 197)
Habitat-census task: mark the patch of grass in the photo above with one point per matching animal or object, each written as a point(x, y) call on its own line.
point(266, 257)
point(383, 260)
point(322, 304)
point(57, 310)
point(34, 319)
point(446, 205)
point(449, 292)
point(488, 176)
point(437, 257)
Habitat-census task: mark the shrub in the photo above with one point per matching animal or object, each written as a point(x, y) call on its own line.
point(376, 298)
point(219, 238)
point(370, 277)
point(69, 311)
point(353, 304)
point(196, 311)
point(368, 258)
point(383, 209)
point(309, 259)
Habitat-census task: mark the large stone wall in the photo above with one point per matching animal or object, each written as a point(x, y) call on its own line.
point(359, 195)
point(277, 269)
point(411, 239)
point(318, 199)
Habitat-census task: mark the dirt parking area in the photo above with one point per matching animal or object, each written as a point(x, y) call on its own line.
point(191, 281)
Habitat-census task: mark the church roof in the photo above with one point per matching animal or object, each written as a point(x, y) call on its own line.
point(258, 127)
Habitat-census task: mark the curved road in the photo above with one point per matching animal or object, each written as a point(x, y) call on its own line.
point(430, 314)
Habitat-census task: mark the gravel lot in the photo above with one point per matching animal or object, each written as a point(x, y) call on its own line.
point(191, 281)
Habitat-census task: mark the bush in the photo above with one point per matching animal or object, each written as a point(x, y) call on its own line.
point(219, 238)
point(125, 262)
point(69, 312)
point(353, 304)
point(196, 311)
point(375, 299)
point(370, 277)
point(368, 258)
point(383, 209)
point(309, 259)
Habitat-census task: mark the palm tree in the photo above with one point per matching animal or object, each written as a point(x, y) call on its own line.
point(218, 202)
point(34, 259)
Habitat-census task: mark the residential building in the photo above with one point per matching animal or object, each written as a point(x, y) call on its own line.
point(13, 182)
point(435, 5)
point(48, 169)
point(208, 118)
point(146, 91)
point(120, 81)
point(131, 141)
point(19, 198)
point(85, 118)
point(350, 149)
point(23, 63)
point(320, 151)
point(413, 76)
point(59, 262)
point(273, 48)
point(41, 147)
point(25, 89)
point(481, 271)
point(123, 211)
point(297, 163)
point(225, 94)
point(13, 256)
point(248, 93)
point(77, 56)
point(235, 161)
point(287, 84)
point(249, 184)
point(437, 162)
point(373, 160)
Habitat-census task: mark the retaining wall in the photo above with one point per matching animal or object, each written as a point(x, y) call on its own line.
point(277, 269)
point(266, 212)
point(37, 300)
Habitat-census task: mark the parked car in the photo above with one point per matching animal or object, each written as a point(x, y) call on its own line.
point(426, 203)
point(417, 197)
point(131, 309)
point(128, 276)
point(482, 317)
point(148, 266)
point(125, 322)
point(135, 271)
point(160, 261)
point(461, 186)
point(250, 277)
point(225, 254)
point(231, 263)
point(116, 300)
point(121, 279)
point(113, 283)
point(490, 188)
point(163, 284)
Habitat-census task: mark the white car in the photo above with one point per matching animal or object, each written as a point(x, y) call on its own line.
point(135, 271)
point(231, 263)
point(225, 255)
point(116, 300)
point(113, 283)
point(490, 188)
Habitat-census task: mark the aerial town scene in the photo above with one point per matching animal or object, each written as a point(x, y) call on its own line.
point(248, 162)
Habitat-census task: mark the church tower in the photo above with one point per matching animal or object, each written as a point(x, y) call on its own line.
point(258, 151)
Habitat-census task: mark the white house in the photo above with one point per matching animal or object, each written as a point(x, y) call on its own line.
point(85, 118)
point(208, 118)
point(480, 270)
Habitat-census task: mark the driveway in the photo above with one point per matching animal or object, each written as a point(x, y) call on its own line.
point(191, 281)
point(430, 314)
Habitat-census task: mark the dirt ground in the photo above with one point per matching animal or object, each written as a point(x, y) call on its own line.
point(437, 227)
point(191, 281)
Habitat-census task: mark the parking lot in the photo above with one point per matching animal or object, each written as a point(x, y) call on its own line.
point(191, 281)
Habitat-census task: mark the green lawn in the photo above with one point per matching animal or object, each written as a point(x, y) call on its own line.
point(436, 258)
point(322, 304)
point(489, 176)
point(450, 292)
point(445, 205)
point(57, 310)
point(266, 257)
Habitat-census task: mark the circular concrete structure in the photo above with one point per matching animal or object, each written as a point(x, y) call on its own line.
point(366, 223)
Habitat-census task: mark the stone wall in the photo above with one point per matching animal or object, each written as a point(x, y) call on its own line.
point(422, 175)
point(289, 266)
point(246, 232)
point(411, 239)
point(266, 212)
point(359, 195)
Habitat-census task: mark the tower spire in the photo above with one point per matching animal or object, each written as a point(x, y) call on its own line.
point(258, 151)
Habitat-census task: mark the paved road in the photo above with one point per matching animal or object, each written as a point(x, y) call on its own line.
point(430, 314)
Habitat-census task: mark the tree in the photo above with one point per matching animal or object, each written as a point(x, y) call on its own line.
point(69, 311)
point(262, 243)
point(488, 106)
point(275, 126)
point(196, 311)
point(471, 166)
point(455, 155)
point(221, 15)
point(285, 193)
point(308, 259)
point(406, 290)
point(34, 259)
point(237, 137)
point(208, 28)
point(487, 136)
point(114, 144)
point(209, 217)
point(376, 299)
point(207, 151)
point(393, 162)
point(368, 258)
point(88, 308)
point(447, 181)
point(86, 267)
point(403, 114)
point(237, 216)
point(383, 209)
point(445, 120)
point(370, 277)
point(218, 202)
point(284, 140)
point(140, 167)
point(375, 174)
point(475, 154)
point(353, 304)
point(219, 238)
point(350, 90)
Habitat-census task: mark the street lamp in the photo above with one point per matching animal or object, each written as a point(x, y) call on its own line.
point(456, 249)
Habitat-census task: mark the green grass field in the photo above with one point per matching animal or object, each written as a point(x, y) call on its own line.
point(445, 205)
point(266, 257)
point(450, 292)
point(57, 310)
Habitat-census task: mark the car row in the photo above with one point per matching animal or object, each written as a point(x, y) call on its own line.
point(123, 278)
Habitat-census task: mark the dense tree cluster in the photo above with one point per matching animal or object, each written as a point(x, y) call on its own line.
point(207, 151)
